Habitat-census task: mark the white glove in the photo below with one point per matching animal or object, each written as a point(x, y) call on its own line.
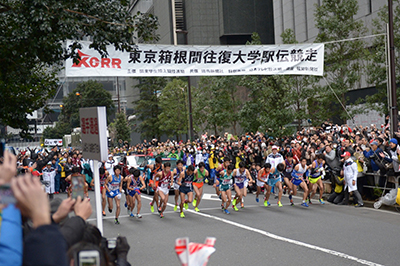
point(111, 193)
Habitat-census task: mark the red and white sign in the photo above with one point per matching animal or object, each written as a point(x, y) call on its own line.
point(153, 60)
point(194, 254)
point(53, 142)
point(94, 132)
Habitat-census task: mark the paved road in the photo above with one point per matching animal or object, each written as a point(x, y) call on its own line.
point(291, 235)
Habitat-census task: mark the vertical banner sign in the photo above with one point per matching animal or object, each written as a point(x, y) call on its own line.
point(94, 146)
point(153, 60)
point(94, 133)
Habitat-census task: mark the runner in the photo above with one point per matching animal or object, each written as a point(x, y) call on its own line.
point(103, 176)
point(262, 179)
point(134, 185)
point(298, 179)
point(287, 174)
point(275, 179)
point(113, 186)
point(199, 176)
point(153, 181)
point(242, 176)
point(176, 173)
point(165, 181)
point(185, 183)
point(225, 187)
point(220, 168)
point(315, 179)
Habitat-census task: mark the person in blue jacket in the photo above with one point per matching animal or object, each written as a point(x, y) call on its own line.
point(377, 158)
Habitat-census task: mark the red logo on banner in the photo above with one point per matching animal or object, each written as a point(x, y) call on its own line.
point(94, 62)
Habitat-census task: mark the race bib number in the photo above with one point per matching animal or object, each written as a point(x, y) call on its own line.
point(188, 184)
point(226, 182)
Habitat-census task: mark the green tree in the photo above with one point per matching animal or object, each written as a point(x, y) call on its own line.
point(32, 36)
point(299, 87)
point(336, 20)
point(174, 111)
point(376, 69)
point(86, 94)
point(217, 103)
point(120, 128)
point(270, 102)
point(147, 108)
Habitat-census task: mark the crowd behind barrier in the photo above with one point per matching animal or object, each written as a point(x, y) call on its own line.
point(41, 230)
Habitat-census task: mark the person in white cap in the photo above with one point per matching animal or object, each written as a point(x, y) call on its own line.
point(275, 157)
point(350, 180)
point(109, 165)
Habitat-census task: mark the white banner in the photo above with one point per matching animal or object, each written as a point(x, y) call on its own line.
point(53, 142)
point(93, 132)
point(150, 60)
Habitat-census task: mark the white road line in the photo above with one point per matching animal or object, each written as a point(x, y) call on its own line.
point(284, 239)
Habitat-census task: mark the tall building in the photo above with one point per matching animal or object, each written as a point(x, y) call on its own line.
point(206, 22)
point(298, 15)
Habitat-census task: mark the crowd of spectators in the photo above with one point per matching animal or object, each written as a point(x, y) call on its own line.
point(40, 230)
point(36, 230)
point(372, 148)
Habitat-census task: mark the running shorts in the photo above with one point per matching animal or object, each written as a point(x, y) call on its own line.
point(246, 183)
point(296, 181)
point(185, 189)
point(116, 194)
point(164, 190)
point(272, 181)
point(198, 185)
point(134, 192)
point(240, 185)
point(260, 184)
point(224, 187)
point(176, 186)
point(314, 180)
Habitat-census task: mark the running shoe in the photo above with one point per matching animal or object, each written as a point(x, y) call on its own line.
point(279, 204)
point(226, 211)
point(234, 202)
point(242, 205)
point(131, 215)
point(186, 205)
point(116, 221)
point(110, 210)
point(194, 202)
point(161, 215)
point(104, 213)
point(257, 200)
point(159, 210)
point(126, 204)
point(138, 215)
point(235, 208)
point(197, 209)
point(308, 201)
point(151, 207)
point(304, 204)
point(182, 215)
point(291, 202)
point(175, 208)
point(222, 206)
point(321, 201)
point(358, 205)
point(128, 211)
point(266, 203)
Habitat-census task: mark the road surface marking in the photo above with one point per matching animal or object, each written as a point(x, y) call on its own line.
point(284, 239)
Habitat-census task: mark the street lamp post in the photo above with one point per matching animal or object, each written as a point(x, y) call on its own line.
point(80, 98)
point(392, 74)
point(191, 134)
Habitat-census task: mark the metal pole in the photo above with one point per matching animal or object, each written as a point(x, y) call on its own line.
point(393, 107)
point(98, 196)
point(191, 136)
point(119, 103)
point(174, 22)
